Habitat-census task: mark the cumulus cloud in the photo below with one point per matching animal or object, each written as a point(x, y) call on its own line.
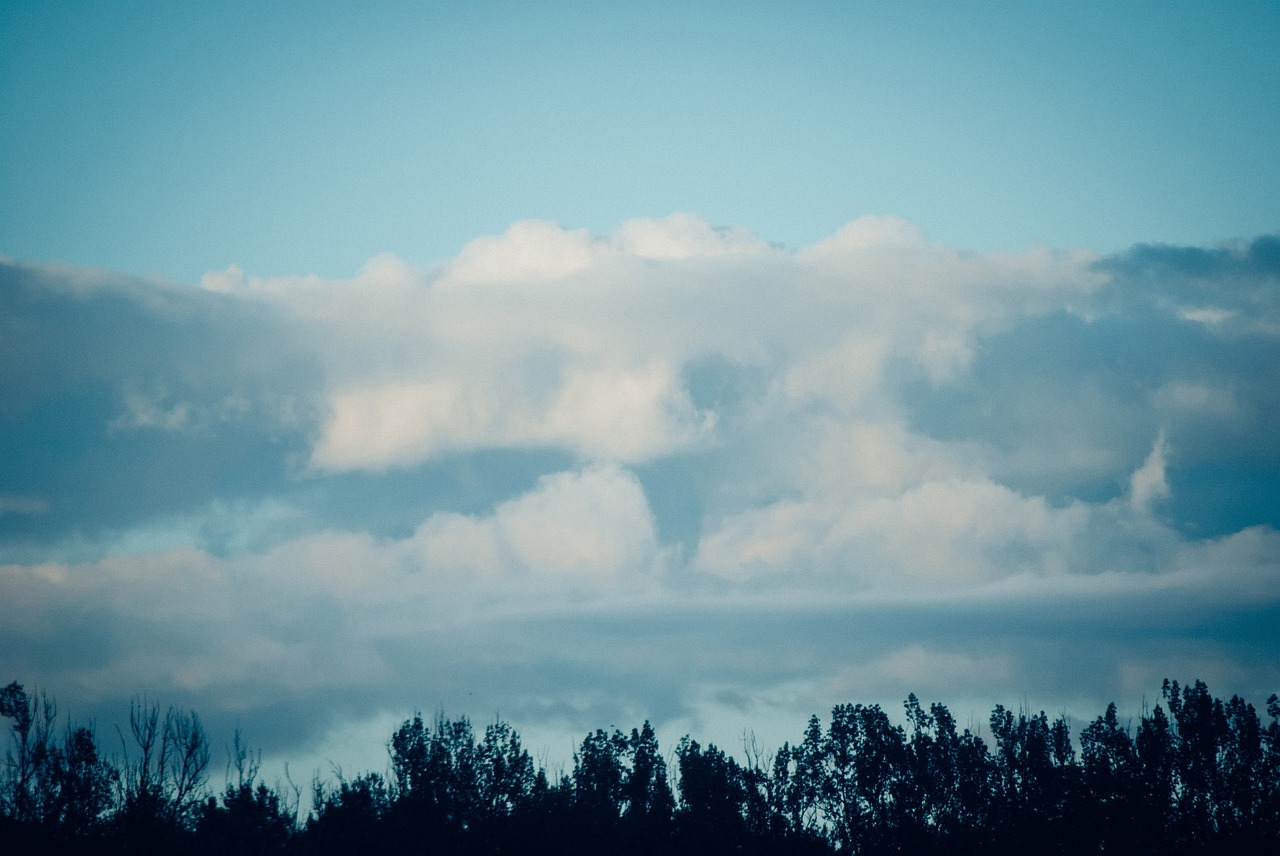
point(593, 523)
point(548, 336)
point(671, 472)
point(589, 525)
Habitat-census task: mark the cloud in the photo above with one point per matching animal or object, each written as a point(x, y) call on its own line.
point(1256, 260)
point(547, 336)
point(1230, 289)
point(675, 472)
point(130, 399)
point(594, 523)
point(614, 413)
point(590, 525)
point(314, 613)
point(22, 505)
point(682, 236)
point(949, 673)
point(531, 252)
point(1148, 484)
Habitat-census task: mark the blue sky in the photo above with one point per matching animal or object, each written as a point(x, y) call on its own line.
point(711, 365)
point(173, 139)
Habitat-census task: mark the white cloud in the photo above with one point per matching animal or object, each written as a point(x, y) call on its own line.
point(595, 523)
point(143, 412)
point(776, 538)
point(875, 428)
point(546, 336)
point(1208, 316)
point(224, 281)
point(374, 427)
point(1183, 397)
point(952, 534)
point(682, 236)
point(1148, 484)
point(531, 252)
point(959, 533)
point(844, 462)
point(311, 612)
point(1243, 565)
point(843, 376)
point(608, 413)
point(459, 546)
point(623, 415)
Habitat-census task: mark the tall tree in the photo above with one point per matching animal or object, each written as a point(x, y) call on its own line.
point(1111, 777)
point(162, 783)
point(598, 776)
point(30, 761)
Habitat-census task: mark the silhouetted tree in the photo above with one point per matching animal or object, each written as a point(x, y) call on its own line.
point(1201, 727)
point(1112, 779)
point(162, 784)
point(30, 763)
point(1157, 761)
point(82, 785)
point(1034, 782)
point(252, 818)
point(862, 770)
point(436, 775)
point(932, 807)
point(713, 796)
point(798, 783)
point(506, 773)
point(1269, 780)
point(598, 776)
point(647, 802)
point(1204, 778)
point(1242, 765)
point(348, 818)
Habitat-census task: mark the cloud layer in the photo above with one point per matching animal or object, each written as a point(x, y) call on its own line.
point(674, 472)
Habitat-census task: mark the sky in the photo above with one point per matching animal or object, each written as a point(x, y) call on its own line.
point(706, 363)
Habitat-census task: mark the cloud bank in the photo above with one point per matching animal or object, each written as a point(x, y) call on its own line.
point(675, 472)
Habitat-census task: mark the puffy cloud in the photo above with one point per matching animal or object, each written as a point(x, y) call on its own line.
point(548, 336)
point(673, 472)
point(315, 612)
point(682, 236)
point(531, 252)
point(396, 423)
point(607, 413)
point(590, 525)
point(593, 523)
point(936, 534)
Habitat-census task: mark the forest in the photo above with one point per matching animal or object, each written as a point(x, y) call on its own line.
point(1194, 774)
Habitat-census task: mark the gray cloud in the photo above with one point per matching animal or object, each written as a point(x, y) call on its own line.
point(1257, 261)
point(1180, 340)
point(124, 400)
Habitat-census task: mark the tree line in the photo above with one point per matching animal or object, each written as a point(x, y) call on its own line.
point(1196, 774)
